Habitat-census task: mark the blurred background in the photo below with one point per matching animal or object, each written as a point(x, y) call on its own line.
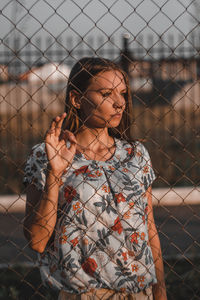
point(157, 42)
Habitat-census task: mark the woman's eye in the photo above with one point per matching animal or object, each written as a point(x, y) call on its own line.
point(106, 94)
point(123, 94)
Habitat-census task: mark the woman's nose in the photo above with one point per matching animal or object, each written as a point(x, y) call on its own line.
point(119, 102)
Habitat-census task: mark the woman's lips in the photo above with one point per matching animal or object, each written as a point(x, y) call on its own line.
point(116, 116)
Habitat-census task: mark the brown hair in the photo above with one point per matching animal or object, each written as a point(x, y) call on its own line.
point(79, 80)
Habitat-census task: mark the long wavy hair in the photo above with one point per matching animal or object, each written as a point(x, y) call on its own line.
point(79, 80)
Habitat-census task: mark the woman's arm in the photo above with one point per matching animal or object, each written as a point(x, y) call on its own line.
point(41, 213)
point(41, 208)
point(159, 289)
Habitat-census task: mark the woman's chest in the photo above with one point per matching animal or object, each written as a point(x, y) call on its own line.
point(97, 186)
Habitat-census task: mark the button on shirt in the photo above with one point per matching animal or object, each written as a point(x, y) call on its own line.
point(101, 237)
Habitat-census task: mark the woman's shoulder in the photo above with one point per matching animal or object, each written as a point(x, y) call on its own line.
point(38, 150)
point(37, 155)
point(133, 147)
point(34, 170)
point(135, 155)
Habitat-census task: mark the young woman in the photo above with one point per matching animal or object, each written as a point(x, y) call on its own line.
point(89, 205)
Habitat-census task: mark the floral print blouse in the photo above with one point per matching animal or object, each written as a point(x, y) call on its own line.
point(101, 238)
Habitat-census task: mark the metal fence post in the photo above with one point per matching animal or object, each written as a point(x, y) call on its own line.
point(126, 55)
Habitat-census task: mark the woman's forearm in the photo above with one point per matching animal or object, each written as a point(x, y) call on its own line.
point(41, 207)
point(41, 222)
point(159, 289)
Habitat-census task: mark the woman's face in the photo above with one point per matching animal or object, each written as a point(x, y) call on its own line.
point(104, 101)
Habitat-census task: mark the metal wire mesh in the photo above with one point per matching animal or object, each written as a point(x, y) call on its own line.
point(36, 56)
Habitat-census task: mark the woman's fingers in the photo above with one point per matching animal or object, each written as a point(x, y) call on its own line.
point(69, 136)
point(72, 147)
point(55, 131)
point(56, 125)
point(59, 120)
point(52, 127)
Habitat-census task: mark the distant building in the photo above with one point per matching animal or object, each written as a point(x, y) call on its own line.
point(140, 76)
point(48, 73)
point(156, 82)
point(188, 97)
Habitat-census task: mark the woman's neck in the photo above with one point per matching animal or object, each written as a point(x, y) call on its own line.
point(95, 140)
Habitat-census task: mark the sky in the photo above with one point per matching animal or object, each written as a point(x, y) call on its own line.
point(83, 17)
point(109, 19)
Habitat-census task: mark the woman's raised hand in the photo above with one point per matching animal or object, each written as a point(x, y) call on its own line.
point(59, 156)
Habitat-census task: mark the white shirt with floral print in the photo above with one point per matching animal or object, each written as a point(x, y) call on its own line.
point(101, 236)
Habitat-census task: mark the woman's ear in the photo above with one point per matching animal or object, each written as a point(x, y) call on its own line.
point(75, 99)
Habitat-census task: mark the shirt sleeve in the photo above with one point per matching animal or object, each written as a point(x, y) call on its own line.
point(148, 175)
point(35, 167)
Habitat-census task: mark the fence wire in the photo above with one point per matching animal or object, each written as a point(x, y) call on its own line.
point(164, 72)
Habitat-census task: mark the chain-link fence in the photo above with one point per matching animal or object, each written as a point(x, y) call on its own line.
point(37, 52)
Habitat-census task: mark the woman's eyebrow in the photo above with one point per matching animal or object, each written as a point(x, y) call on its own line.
point(110, 89)
point(100, 89)
point(105, 89)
